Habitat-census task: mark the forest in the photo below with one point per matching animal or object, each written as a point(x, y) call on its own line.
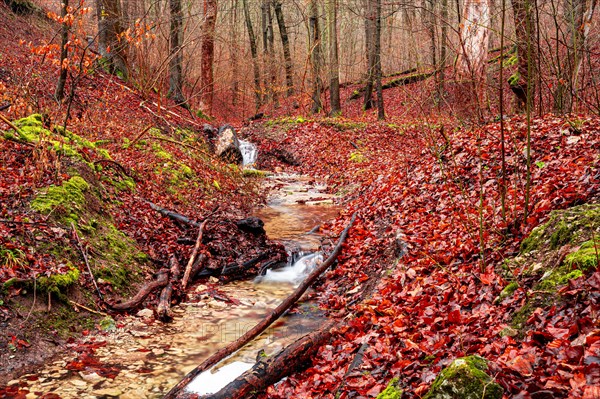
point(299, 199)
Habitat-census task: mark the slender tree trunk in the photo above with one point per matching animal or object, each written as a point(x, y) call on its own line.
point(315, 56)
point(254, 52)
point(370, 16)
point(285, 43)
point(64, 53)
point(176, 52)
point(208, 54)
point(443, 49)
point(234, 53)
point(271, 55)
point(334, 65)
point(524, 29)
point(377, 59)
point(110, 46)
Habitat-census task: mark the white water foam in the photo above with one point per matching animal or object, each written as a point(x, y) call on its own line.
point(295, 273)
point(212, 381)
point(249, 152)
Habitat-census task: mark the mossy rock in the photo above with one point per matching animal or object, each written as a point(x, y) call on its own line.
point(465, 378)
point(569, 226)
point(65, 201)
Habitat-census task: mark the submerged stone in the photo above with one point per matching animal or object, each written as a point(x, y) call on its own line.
point(465, 378)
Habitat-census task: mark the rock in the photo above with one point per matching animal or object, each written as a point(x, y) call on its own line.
point(93, 377)
point(78, 383)
point(465, 378)
point(158, 351)
point(227, 145)
point(108, 392)
point(200, 288)
point(252, 225)
point(213, 280)
point(145, 313)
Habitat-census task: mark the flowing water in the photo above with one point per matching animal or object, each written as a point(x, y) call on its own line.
point(143, 358)
point(249, 152)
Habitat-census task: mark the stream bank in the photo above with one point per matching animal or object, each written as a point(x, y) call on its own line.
point(139, 357)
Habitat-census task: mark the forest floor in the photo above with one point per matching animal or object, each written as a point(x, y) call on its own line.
point(434, 236)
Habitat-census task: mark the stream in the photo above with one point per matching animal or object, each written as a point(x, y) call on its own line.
point(143, 358)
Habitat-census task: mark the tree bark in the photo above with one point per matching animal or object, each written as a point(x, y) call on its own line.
point(315, 56)
point(334, 65)
point(164, 305)
point(112, 49)
point(254, 52)
point(370, 16)
point(59, 94)
point(522, 83)
point(208, 54)
point(443, 49)
point(176, 52)
point(474, 38)
point(380, 110)
point(161, 280)
point(266, 322)
point(285, 43)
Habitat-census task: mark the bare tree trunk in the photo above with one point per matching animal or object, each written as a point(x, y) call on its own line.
point(254, 52)
point(64, 53)
point(334, 65)
point(175, 52)
point(377, 59)
point(234, 53)
point(110, 46)
point(208, 54)
point(370, 16)
point(475, 43)
point(315, 56)
point(285, 43)
point(271, 56)
point(578, 20)
point(443, 49)
point(524, 28)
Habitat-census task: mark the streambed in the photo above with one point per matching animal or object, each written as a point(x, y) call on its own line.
point(143, 358)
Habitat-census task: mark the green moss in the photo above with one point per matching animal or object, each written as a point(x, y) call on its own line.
point(513, 80)
point(586, 257)
point(558, 277)
point(161, 153)
point(508, 291)
point(64, 321)
point(391, 391)
point(561, 235)
point(255, 173)
point(58, 283)
point(67, 199)
point(532, 242)
point(465, 378)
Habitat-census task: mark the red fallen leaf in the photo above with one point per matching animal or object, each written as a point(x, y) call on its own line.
point(578, 381)
point(522, 364)
point(574, 354)
point(454, 316)
point(375, 390)
point(558, 333)
point(591, 392)
point(421, 389)
point(487, 278)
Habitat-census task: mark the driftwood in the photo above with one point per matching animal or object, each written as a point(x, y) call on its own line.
point(266, 322)
point(164, 305)
point(267, 372)
point(161, 280)
point(404, 80)
point(188, 269)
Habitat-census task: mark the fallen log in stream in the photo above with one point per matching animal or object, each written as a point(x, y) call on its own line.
point(177, 390)
point(267, 372)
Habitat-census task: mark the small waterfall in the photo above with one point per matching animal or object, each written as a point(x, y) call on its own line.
point(249, 152)
point(294, 273)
